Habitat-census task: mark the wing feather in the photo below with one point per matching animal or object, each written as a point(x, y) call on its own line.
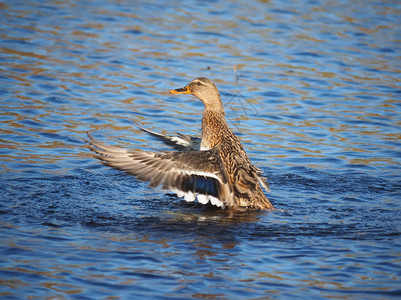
point(187, 173)
point(181, 142)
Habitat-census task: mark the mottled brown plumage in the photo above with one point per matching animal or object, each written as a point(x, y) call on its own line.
point(216, 170)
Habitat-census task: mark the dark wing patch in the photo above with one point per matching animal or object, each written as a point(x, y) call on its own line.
point(180, 142)
point(187, 173)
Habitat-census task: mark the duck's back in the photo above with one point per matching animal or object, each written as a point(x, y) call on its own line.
point(244, 177)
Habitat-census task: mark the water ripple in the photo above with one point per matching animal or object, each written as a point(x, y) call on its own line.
point(312, 90)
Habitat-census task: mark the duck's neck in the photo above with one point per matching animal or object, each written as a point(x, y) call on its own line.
point(213, 126)
point(212, 102)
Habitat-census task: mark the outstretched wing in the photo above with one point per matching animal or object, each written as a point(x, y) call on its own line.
point(180, 142)
point(189, 174)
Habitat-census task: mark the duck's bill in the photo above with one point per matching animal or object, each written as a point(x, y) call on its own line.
point(184, 90)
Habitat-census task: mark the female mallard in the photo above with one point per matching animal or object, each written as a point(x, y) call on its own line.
point(217, 169)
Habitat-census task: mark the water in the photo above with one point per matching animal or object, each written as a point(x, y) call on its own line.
point(313, 91)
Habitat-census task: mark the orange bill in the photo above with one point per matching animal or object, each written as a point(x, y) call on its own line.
point(184, 90)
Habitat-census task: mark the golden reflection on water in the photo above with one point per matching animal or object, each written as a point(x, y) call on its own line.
point(315, 86)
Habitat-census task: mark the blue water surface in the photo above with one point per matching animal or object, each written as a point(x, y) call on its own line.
point(313, 90)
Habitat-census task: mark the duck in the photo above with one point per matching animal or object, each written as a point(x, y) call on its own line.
point(214, 169)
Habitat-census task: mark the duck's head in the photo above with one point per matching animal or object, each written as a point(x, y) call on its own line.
point(203, 89)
